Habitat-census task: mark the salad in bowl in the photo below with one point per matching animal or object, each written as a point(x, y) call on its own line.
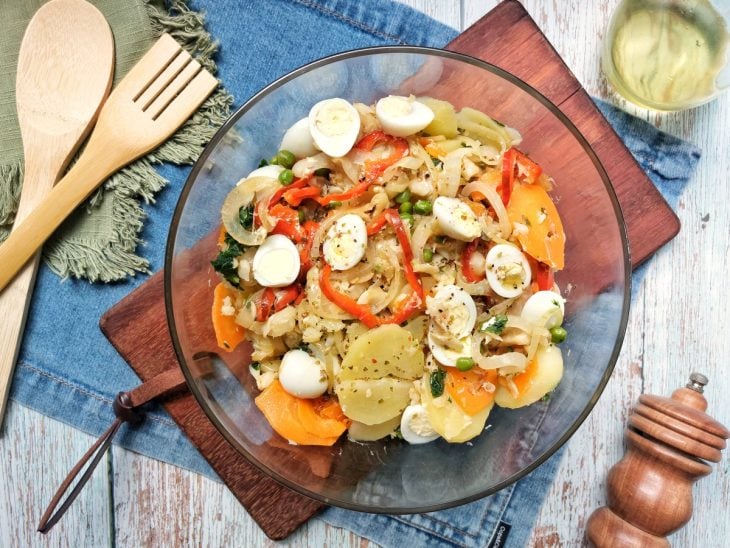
point(392, 267)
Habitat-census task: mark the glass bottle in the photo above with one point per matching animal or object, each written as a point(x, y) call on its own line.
point(668, 54)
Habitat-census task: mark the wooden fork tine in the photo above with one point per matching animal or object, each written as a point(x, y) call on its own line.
point(173, 88)
point(167, 76)
point(149, 67)
point(189, 99)
point(124, 132)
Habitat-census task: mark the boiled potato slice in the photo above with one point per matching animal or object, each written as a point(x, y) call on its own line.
point(359, 431)
point(448, 419)
point(418, 327)
point(444, 120)
point(373, 401)
point(383, 351)
point(541, 376)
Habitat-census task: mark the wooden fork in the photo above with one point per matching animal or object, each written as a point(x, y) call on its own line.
point(161, 92)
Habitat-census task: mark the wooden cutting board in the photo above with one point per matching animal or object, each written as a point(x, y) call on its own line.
point(137, 326)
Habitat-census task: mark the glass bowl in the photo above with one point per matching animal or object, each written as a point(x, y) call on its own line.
point(392, 476)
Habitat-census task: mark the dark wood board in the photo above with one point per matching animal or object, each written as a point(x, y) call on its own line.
point(137, 326)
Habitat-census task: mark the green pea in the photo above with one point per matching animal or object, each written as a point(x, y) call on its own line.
point(423, 207)
point(427, 255)
point(407, 217)
point(286, 177)
point(403, 197)
point(301, 216)
point(558, 334)
point(333, 204)
point(464, 364)
point(406, 207)
point(286, 158)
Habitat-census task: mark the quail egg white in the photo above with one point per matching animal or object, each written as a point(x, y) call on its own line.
point(276, 262)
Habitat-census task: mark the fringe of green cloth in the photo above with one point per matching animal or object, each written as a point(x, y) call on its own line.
point(120, 197)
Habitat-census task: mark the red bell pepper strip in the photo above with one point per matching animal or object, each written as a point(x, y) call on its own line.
point(409, 309)
point(376, 224)
point(354, 192)
point(373, 168)
point(393, 218)
point(508, 176)
point(305, 246)
point(466, 269)
point(299, 183)
point(516, 165)
point(527, 170)
point(544, 276)
point(264, 304)
point(345, 302)
point(296, 196)
point(361, 311)
point(288, 222)
point(300, 298)
point(287, 296)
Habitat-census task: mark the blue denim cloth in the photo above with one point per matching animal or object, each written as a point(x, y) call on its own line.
point(69, 371)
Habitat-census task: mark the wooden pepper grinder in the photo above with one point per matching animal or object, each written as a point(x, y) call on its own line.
point(650, 489)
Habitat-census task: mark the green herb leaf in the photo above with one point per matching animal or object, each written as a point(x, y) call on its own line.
point(436, 161)
point(495, 324)
point(245, 216)
point(437, 383)
point(223, 263)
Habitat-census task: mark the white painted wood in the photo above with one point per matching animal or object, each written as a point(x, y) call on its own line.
point(676, 324)
point(36, 453)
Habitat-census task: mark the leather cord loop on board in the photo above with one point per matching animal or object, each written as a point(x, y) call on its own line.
point(126, 409)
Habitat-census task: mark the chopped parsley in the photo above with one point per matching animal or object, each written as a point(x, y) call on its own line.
point(245, 216)
point(224, 264)
point(437, 383)
point(436, 161)
point(495, 324)
point(256, 366)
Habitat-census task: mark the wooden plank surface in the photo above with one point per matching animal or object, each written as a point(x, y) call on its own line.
point(675, 325)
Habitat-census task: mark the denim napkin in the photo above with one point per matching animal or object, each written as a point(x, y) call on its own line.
point(69, 371)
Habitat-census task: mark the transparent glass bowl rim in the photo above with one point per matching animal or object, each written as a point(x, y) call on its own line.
point(240, 112)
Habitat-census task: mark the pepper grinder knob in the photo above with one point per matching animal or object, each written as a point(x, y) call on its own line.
point(649, 491)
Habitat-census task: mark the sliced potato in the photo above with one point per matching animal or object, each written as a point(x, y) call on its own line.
point(383, 351)
point(373, 401)
point(444, 120)
point(449, 420)
point(359, 431)
point(418, 327)
point(541, 376)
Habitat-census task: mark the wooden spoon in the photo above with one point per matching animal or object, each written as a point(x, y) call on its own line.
point(65, 70)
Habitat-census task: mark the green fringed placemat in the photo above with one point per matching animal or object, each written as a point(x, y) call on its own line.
point(99, 241)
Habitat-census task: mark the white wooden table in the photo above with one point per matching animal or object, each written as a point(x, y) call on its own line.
point(678, 323)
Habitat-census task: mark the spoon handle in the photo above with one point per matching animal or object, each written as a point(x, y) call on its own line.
point(40, 173)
